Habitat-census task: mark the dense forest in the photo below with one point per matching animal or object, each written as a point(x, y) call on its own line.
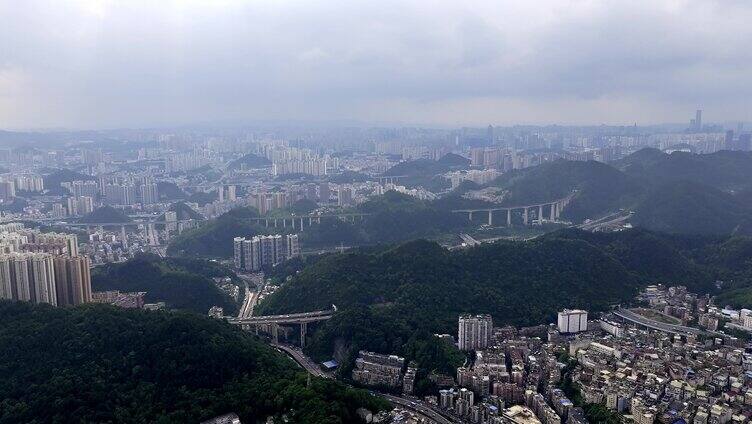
point(391, 298)
point(105, 214)
point(103, 364)
point(214, 238)
point(679, 193)
point(180, 283)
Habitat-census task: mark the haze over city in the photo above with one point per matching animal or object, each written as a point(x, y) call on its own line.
point(109, 64)
point(353, 212)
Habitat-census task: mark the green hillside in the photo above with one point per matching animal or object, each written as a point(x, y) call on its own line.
point(421, 172)
point(452, 159)
point(104, 364)
point(53, 180)
point(105, 214)
point(214, 238)
point(250, 161)
point(184, 211)
point(692, 208)
point(723, 169)
point(598, 188)
point(169, 191)
point(182, 284)
point(390, 300)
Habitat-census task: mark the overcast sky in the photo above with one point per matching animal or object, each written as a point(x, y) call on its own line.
point(131, 63)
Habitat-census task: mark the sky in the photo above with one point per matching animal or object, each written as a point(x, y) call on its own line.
point(93, 64)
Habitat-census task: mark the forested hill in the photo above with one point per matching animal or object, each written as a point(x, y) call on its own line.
point(520, 282)
point(180, 283)
point(214, 239)
point(678, 193)
point(387, 297)
point(391, 300)
point(723, 170)
point(103, 364)
point(599, 187)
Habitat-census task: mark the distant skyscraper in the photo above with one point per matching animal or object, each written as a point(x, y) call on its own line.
point(698, 120)
point(324, 192)
point(474, 331)
point(344, 196)
point(7, 190)
point(73, 280)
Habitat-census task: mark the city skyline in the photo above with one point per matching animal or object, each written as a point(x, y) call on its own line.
point(102, 64)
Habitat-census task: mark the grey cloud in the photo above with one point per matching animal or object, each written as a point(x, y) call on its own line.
point(136, 63)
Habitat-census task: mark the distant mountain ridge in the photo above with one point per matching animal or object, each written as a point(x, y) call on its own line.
point(679, 192)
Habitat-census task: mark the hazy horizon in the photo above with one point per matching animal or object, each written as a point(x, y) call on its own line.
point(104, 64)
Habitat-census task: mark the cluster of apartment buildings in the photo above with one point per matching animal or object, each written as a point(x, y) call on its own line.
point(260, 251)
point(373, 369)
point(42, 267)
point(667, 375)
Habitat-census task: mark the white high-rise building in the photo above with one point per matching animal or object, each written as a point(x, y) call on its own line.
point(474, 331)
point(293, 246)
point(260, 251)
point(149, 194)
point(237, 244)
point(572, 321)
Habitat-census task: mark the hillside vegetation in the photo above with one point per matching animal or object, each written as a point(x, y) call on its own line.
point(390, 299)
point(678, 193)
point(249, 161)
point(180, 283)
point(105, 214)
point(103, 364)
point(214, 238)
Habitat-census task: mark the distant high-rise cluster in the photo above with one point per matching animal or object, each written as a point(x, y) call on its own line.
point(226, 193)
point(315, 167)
point(7, 190)
point(32, 183)
point(474, 331)
point(129, 192)
point(260, 251)
point(42, 267)
point(81, 188)
point(80, 205)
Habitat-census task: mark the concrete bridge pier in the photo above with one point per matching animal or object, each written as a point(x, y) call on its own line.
point(509, 217)
point(540, 214)
point(301, 224)
point(524, 216)
point(275, 223)
point(293, 223)
point(470, 215)
point(553, 211)
point(318, 220)
point(490, 218)
point(303, 330)
point(275, 333)
point(310, 221)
